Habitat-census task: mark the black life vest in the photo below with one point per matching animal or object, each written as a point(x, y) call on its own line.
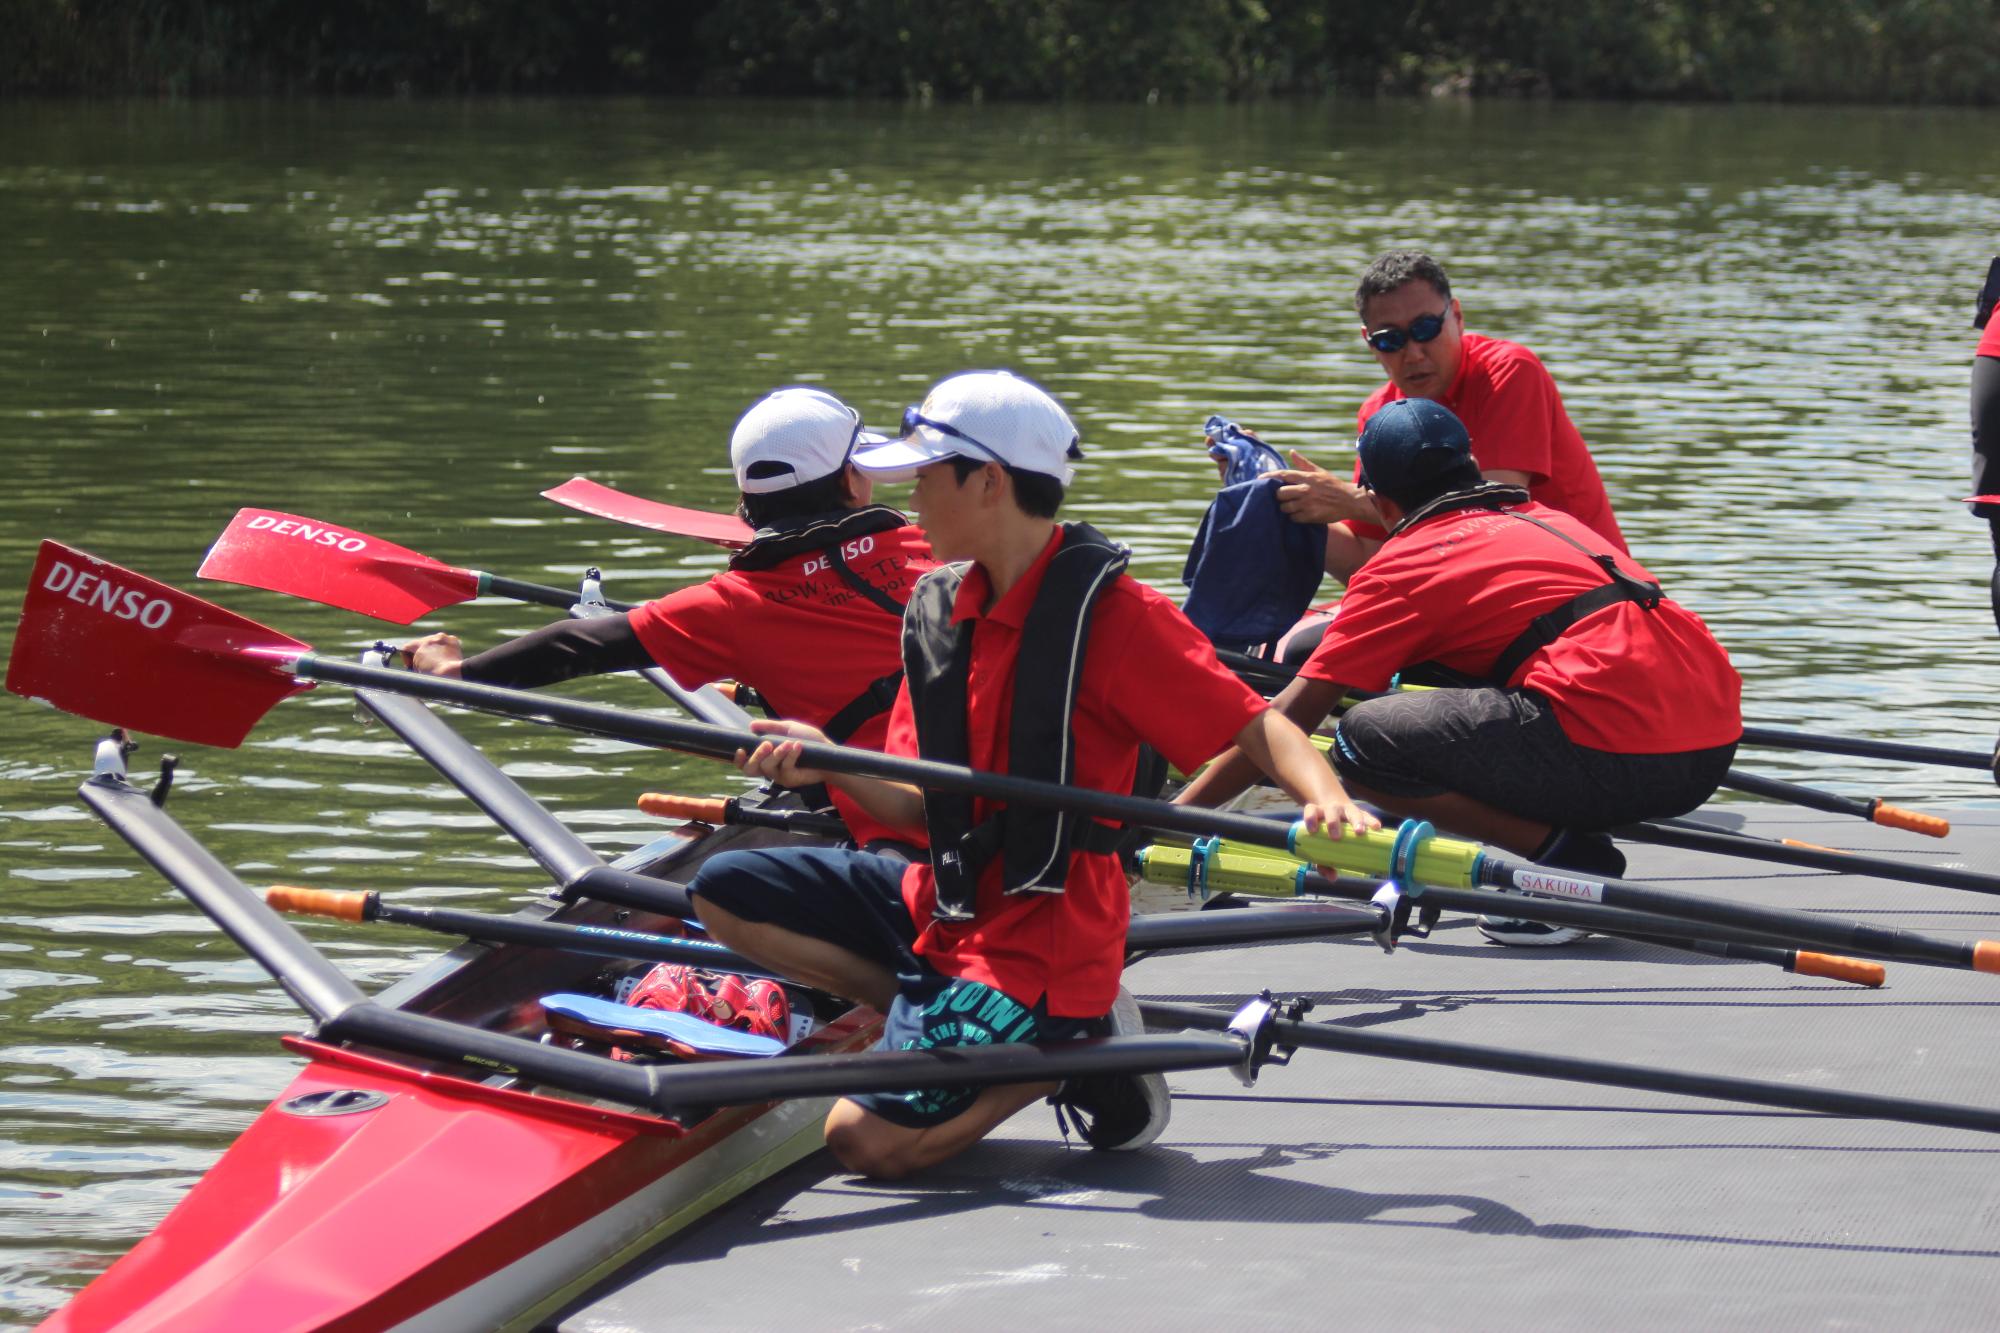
point(1035, 843)
point(825, 534)
point(1551, 625)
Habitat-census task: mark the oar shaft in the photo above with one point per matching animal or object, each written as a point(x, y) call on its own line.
point(1575, 1069)
point(723, 742)
point(595, 941)
point(1875, 810)
point(1723, 843)
point(1848, 937)
point(1859, 748)
point(498, 585)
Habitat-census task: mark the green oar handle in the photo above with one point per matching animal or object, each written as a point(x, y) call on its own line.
point(496, 585)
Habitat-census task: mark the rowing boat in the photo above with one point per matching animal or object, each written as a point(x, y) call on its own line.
point(418, 1186)
point(391, 1190)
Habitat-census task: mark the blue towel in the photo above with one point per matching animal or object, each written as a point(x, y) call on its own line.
point(1251, 572)
point(1245, 459)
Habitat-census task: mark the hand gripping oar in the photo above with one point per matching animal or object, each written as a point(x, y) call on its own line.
point(178, 666)
point(1244, 1042)
point(338, 566)
point(1221, 868)
point(590, 497)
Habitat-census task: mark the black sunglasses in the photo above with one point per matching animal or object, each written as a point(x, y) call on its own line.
point(1422, 329)
point(912, 419)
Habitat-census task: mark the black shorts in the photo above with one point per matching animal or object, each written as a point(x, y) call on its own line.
point(1504, 748)
point(855, 900)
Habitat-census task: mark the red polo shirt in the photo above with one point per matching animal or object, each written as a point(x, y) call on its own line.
point(1458, 588)
point(798, 635)
point(1510, 406)
point(1989, 345)
point(1148, 676)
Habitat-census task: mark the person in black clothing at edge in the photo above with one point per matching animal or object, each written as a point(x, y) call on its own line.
point(1578, 696)
point(1986, 422)
point(809, 614)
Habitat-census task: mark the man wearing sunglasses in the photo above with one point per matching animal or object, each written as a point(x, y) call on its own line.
point(1520, 430)
point(1034, 655)
point(809, 614)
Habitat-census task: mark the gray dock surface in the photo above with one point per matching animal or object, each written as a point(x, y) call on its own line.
point(1350, 1192)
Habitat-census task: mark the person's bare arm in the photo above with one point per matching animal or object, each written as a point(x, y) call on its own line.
point(1275, 744)
point(1345, 552)
point(1304, 703)
point(1508, 477)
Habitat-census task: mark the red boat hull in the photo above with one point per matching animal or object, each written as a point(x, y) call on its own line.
point(366, 1220)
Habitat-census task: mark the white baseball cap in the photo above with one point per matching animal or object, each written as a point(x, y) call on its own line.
point(981, 414)
point(794, 436)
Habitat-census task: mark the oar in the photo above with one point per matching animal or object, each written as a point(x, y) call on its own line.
point(1270, 677)
point(594, 941)
point(1221, 868)
point(1246, 1041)
point(1274, 1030)
point(590, 497)
point(1875, 810)
point(213, 674)
point(338, 566)
point(1163, 932)
point(1686, 834)
point(718, 811)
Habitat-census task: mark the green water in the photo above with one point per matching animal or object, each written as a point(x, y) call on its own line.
point(411, 318)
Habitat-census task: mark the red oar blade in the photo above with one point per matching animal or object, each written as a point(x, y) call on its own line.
point(1981, 500)
point(596, 498)
point(105, 643)
point(262, 548)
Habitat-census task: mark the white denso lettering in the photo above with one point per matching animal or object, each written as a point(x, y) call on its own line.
point(79, 589)
point(311, 532)
point(262, 521)
point(105, 597)
point(60, 575)
point(156, 613)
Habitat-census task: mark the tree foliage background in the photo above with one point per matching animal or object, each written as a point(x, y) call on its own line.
point(1928, 51)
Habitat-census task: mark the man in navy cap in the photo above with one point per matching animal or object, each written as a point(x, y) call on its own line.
point(1582, 698)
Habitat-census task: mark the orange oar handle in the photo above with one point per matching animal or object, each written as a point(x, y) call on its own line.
point(1836, 968)
point(701, 809)
point(1986, 956)
point(321, 902)
point(1894, 816)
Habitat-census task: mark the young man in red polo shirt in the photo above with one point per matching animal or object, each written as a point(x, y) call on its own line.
point(1521, 432)
point(1035, 655)
point(1590, 700)
point(809, 614)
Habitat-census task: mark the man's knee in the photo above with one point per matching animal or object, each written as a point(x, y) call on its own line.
point(870, 1146)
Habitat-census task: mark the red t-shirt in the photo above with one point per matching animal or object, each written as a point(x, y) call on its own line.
point(1510, 406)
point(1989, 344)
point(1458, 588)
point(798, 635)
point(1148, 676)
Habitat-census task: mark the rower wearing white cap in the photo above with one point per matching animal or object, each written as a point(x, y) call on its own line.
point(1034, 655)
point(808, 614)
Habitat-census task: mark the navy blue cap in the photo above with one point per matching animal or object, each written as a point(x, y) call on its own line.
point(1410, 443)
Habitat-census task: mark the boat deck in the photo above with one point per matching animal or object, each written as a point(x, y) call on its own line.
point(1368, 1193)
